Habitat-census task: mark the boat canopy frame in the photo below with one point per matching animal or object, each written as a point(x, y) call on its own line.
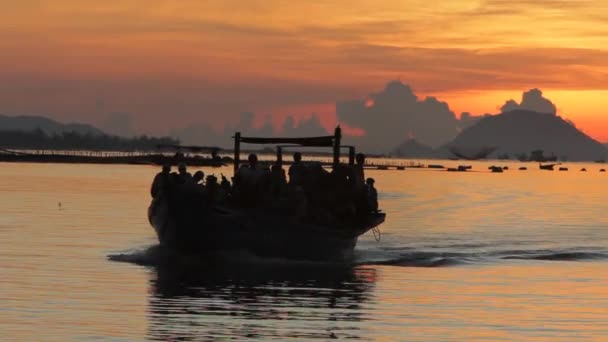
point(332, 141)
point(195, 149)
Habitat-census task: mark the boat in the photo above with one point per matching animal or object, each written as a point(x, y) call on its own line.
point(186, 225)
point(496, 169)
point(548, 167)
point(471, 153)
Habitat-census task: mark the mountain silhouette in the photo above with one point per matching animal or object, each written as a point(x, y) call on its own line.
point(48, 126)
point(520, 131)
point(411, 148)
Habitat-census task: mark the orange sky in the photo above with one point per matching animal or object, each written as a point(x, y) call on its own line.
point(170, 63)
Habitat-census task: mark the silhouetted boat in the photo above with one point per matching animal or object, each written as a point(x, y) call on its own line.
point(186, 225)
point(548, 167)
point(538, 156)
point(471, 153)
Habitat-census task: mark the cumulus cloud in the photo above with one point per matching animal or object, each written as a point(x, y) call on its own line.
point(202, 134)
point(532, 100)
point(396, 114)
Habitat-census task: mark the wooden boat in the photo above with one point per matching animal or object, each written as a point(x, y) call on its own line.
point(548, 167)
point(183, 223)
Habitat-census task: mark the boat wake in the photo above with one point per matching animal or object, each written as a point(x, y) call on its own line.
point(158, 255)
point(411, 257)
point(393, 256)
point(145, 257)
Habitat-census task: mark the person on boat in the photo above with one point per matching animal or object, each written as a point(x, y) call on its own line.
point(223, 191)
point(184, 175)
point(358, 172)
point(341, 193)
point(372, 195)
point(277, 183)
point(297, 171)
point(359, 184)
point(212, 188)
point(247, 181)
point(197, 178)
point(161, 181)
point(296, 193)
point(194, 189)
point(225, 184)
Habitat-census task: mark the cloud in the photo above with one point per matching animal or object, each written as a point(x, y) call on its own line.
point(202, 134)
point(532, 100)
point(395, 114)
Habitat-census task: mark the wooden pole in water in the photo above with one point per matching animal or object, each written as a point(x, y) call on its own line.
point(237, 151)
point(337, 138)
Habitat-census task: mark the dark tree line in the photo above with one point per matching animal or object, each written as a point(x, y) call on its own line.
point(38, 140)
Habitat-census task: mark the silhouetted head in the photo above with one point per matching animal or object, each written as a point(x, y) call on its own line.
point(370, 181)
point(297, 157)
point(253, 159)
point(181, 168)
point(167, 168)
point(360, 158)
point(198, 176)
point(211, 180)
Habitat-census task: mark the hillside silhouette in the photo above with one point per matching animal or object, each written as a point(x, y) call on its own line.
point(37, 132)
point(30, 123)
point(519, 132)
point(411, 148)
point(39, 140)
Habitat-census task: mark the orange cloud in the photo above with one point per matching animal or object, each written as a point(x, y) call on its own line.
point(208, 59)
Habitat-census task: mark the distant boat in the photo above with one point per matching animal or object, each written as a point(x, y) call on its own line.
point(538, 156)
point(548, 167)
point(474, 153)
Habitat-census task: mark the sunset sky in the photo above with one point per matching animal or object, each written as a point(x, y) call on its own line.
point(173, 63)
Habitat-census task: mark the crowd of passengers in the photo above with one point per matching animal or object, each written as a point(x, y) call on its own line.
point(310, 192)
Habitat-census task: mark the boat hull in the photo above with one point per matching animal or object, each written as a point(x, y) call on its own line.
point(216, 229)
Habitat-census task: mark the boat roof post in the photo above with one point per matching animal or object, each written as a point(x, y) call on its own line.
point(337, 138)
point(279, 156)
point(351, 155)
point(237, 151)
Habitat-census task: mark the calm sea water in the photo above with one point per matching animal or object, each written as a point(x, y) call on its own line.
point(518, 256)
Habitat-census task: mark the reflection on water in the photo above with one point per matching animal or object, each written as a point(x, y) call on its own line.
point(273, 301)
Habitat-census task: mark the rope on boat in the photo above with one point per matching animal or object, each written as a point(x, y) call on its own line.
point(377, 234)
